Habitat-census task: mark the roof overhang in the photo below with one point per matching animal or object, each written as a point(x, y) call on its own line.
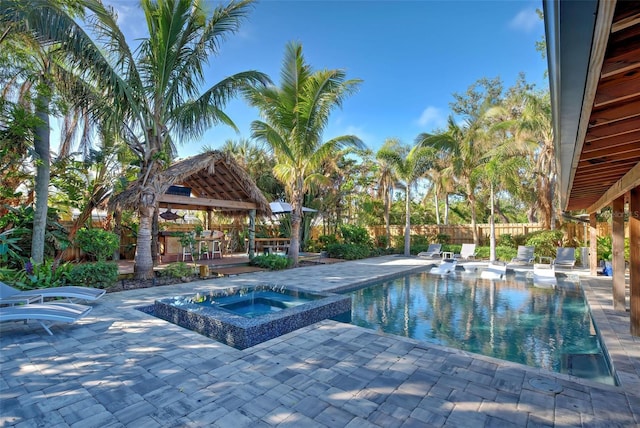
point(593, 50)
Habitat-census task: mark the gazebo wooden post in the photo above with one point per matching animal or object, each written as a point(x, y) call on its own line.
point(617, 250)
point(209, 219)
point(252, 233)
point(634, 256)
point(593, 245)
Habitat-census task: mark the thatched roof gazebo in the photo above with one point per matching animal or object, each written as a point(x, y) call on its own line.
point(214, 181)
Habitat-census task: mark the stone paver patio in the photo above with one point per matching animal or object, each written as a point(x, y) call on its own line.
point(122, 367)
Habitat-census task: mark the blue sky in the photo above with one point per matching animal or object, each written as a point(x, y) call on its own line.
point(411, 56)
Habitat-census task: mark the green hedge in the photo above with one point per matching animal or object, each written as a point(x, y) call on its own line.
point(97, 274)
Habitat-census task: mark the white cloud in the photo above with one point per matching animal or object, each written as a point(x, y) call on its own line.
point(432, 117)
point(526, 20)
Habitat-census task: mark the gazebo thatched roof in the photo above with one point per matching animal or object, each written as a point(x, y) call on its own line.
point(216, 181)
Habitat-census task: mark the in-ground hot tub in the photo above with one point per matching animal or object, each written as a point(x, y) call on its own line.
point(245, 317)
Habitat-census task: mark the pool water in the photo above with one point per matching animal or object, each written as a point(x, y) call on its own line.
point(258, 303)
point(550, 328)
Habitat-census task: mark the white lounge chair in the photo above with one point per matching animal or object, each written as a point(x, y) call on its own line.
point(468, 251)
point(52, 312)
point(444, 268)
point(525, 255)
point(565, 257)
point(433, 251)
point(10, 295)
point(494, 272)
point(544, 275)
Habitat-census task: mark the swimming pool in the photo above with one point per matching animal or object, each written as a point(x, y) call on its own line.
point(244, 317)
point(550, 328)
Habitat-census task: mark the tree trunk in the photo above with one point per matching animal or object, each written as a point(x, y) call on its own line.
point(492, 222)
point(155, 249)
point(117, 229)
point(296, 218)
point(437, 204)
point(407, 227)
point(472, 202)
point(446, 209)
point(294, 246)
point(387, 215)
point(144, 263)
point(43, 175)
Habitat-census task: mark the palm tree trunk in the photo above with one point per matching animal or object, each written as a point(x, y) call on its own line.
point(446, 208)
point(387, 215)
point(472, 202)
point(492, 244)
point(435, 197)
point(407, 226)
point(43, 173)
point(294, 246)
point(144, 263)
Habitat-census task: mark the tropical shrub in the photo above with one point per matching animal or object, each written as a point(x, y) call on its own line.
point(41, 275)
point(506, 240)
point(272, 262)
point(505, 253)
point(176, 270)
point(355, 235)
point(348, 251)
point(381, 241)
point(604, 247)
point(326, 240)
point(545, 242)
point(20, 219)
point(100, 274)
point(443, 238)
point(98, 243)
point(9, 249)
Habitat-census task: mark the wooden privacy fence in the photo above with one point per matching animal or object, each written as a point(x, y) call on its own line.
point(462, 233)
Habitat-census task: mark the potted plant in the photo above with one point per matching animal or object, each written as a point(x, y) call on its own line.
point(198, 230)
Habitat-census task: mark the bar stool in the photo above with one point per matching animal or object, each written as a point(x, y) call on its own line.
point(217, 249)
point(204, 244)
point(186, 251)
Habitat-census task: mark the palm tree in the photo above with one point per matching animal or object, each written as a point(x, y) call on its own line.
point(409, 165)
point(466, 146)
point(294, 118)
point(386, 180)
point(442, 184)
point(152, 95)
point(41, 81)
point(535, 126)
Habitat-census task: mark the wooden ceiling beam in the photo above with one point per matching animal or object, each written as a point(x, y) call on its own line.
point(629, 181)
point(206, 202)
point(623, 165)
point(612, 129)
point(628, 139)
point(617, 89)
point(610, 114)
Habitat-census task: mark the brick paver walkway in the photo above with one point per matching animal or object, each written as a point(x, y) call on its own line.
point(121, 367)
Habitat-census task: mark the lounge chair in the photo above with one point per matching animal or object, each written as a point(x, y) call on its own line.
point(10, 295)
point(565, 257)
point(544, 275)
point(525, 255)
point(444, 268)
point(494, 271)
point(433, 251)
point(468, 251)
point(52, 312)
